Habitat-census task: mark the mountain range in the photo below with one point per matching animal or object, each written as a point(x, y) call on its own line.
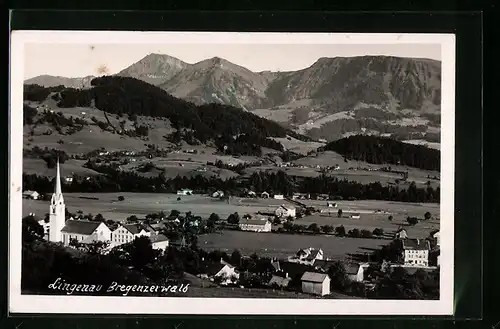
point(329, 99)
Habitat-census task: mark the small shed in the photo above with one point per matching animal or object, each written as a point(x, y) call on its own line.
point(315, 283)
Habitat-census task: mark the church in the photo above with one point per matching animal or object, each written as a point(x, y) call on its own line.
point(62, 230)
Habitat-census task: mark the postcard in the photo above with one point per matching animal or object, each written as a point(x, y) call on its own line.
point(231, 173)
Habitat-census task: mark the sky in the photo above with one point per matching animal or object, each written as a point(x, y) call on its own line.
point(79, 60)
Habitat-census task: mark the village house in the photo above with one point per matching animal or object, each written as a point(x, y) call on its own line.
point(279, 196)
point(280, 280)
point(437, 237)
point(127, 233)
point(222, 271)
point(356, 271)
point(285, 211)
point(307, 256)
point(255, 225)
point(84, 231)
point(68, 179)
point(401, 234)
point(264, 195)
point(218, 194)
point(355, 216)
point(34, 195)
point(290, 270)
point(416, 252)
point(251, 194)
point(159, 241)
point(331, 205)
point(185, 192)
point(315, 283)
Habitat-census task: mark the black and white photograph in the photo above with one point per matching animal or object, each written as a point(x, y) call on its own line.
point(231, 173)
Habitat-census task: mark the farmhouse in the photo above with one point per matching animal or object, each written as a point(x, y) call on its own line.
point(264, 195)
point(34, 195)
point(222, 271)
point(127, 233)
point(279, 196)
point(84, 231)
point(255, 225)
point(159, 241)
point(251, 194)
point(331, 205)
point(355, 216)
point(356, 271)
point(316, 283)
point(307, 256)
point(416, 252)
point(401, 234)
point(285, 211)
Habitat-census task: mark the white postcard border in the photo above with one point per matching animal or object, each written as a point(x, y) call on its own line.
point(177, 305)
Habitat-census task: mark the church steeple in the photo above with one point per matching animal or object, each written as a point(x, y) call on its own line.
point(57, 210)
point(58, 190)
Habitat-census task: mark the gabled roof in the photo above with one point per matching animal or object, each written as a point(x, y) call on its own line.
point(158, 238)
point(323, 263)
point(314, 277)
point(80, 226)
point(30, 192)
point(352, 268)
point(280, 280)
point(133, 228)
point(253, 221)
point(416, 244)
point(212, 268)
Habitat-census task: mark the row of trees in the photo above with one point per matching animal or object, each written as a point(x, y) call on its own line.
point(115, 180)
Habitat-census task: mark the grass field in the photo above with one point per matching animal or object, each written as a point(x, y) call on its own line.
point(284, 245)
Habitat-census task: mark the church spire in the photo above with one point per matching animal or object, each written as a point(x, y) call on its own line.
point(58, 190)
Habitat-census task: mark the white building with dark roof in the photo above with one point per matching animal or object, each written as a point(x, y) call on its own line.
point(255, 225)
point(307, 256)
point(126, 233)
point(285, 211)
point(416, 252)
point(315, 283)
point(84, 231)
point(34, 195)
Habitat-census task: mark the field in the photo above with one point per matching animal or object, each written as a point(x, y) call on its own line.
point(284, 245)
point(146, 203)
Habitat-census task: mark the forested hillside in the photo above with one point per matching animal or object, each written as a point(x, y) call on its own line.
point(380, 150)
point(129, 96)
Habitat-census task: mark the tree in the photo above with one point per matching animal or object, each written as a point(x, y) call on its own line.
point(338, 276)
point(378, 232)
point(340, 230)
point(314, 228)
point(132, 218)
point(366, 234)
point(276, 221)
point(99, 218)
point(327, 229)
point(427, 215)
point(391, 218)
point(412, 220)
point(174, 213)
point(121, 198)
point(233, 218)
point(140, 252)
point(32, 230)
point(339, 213)
point(236, 258)
point(354, 233)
